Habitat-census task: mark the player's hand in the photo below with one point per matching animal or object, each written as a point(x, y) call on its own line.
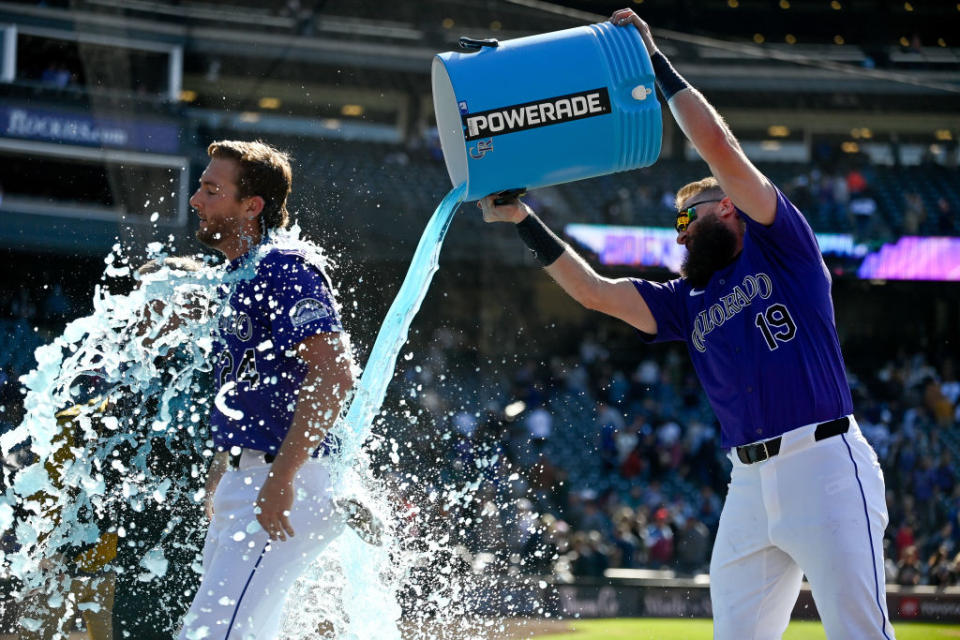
point(514, 211)
point(208, 505)
point(274, 503)
point(626, 17)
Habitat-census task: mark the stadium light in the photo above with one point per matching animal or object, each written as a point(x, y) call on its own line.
point(269, 103)
point(778, 131)
point(353, 110)
point(943, 134)
point(850, 147)
point(188, 95)
point(836, 6)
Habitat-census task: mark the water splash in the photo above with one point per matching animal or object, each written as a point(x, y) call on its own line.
point(128, 376)
point(139, 345)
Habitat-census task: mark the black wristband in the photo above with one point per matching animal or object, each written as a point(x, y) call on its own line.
point(546, 246)
point(669, 81)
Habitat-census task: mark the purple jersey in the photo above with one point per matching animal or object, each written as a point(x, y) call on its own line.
point(287, 300)
point(762, 334)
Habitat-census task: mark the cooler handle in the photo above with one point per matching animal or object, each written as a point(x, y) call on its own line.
point(474, 44)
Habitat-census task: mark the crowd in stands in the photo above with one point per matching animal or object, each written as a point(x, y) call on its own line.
point(600, 463)
point(598, 457)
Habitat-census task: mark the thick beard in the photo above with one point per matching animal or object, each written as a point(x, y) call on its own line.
point(712, 248)
point(210, 236)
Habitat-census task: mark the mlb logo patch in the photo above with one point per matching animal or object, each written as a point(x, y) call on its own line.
point(308, 310)
point(462, 105)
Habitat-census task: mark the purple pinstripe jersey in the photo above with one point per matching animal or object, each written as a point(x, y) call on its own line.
point(258, 376)
point(762, 334)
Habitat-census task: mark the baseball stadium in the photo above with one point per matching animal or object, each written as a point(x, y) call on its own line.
point(502, 319)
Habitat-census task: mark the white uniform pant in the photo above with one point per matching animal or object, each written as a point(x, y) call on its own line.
point(817, 508)
point(246, 578)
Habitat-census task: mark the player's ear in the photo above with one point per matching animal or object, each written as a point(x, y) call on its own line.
point(253, 206)
point(727, 207)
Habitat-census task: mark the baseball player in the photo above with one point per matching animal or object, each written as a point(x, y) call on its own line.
point(806, 494)
point(283, 369)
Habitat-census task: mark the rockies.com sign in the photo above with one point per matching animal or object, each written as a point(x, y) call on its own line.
point(541, 113)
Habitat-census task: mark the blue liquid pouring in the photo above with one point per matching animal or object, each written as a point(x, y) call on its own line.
point(364, 580)
point(378, 372)
point(370, 577)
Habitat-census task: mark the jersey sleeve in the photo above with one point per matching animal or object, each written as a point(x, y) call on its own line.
point(666, 305)
point(790, 236)
point(298, 300)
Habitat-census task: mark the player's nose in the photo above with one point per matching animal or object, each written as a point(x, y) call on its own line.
point(682, 237)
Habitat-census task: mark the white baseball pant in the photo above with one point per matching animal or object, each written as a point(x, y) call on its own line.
point(246, 578)
point(817, 508)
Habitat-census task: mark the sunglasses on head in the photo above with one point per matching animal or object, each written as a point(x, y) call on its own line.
point(685, 217)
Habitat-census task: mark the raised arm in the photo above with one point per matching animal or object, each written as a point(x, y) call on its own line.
point(617, 298)
point(749, 189)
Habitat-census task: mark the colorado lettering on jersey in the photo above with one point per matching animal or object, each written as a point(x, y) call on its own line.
point(759, 285)
point(236, 324)
point(540, 113)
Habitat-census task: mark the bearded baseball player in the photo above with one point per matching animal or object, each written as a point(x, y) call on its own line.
point(806, 494)
point(283, 371)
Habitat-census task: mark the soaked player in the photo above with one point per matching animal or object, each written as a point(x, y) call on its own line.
point(283, 371)
point(806, 494)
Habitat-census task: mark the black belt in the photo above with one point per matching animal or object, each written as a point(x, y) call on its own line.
point(760, 451)
point(235, 459)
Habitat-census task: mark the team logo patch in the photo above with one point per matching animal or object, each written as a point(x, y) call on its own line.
point(483, 147)
point(541, 113)
point(308, 310)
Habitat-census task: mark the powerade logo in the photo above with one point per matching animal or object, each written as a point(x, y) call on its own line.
point(542, 113)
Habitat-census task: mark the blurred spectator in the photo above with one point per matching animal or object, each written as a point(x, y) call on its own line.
point(56, 75)
point(946, 217)
point(590, 558)
point(856, 183)
point(862, 208)
point(608, 424)
point(539, 425)
point(914, 213)
point(659, 539)
point(841, 195)
point(693, 546)
point(909, 570)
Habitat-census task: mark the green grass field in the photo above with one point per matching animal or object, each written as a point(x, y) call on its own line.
point(664, 629)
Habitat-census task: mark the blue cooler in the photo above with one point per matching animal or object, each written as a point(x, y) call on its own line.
point(546, 109)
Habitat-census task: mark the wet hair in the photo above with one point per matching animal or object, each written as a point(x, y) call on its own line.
point(707, 185)
point(264, 171)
